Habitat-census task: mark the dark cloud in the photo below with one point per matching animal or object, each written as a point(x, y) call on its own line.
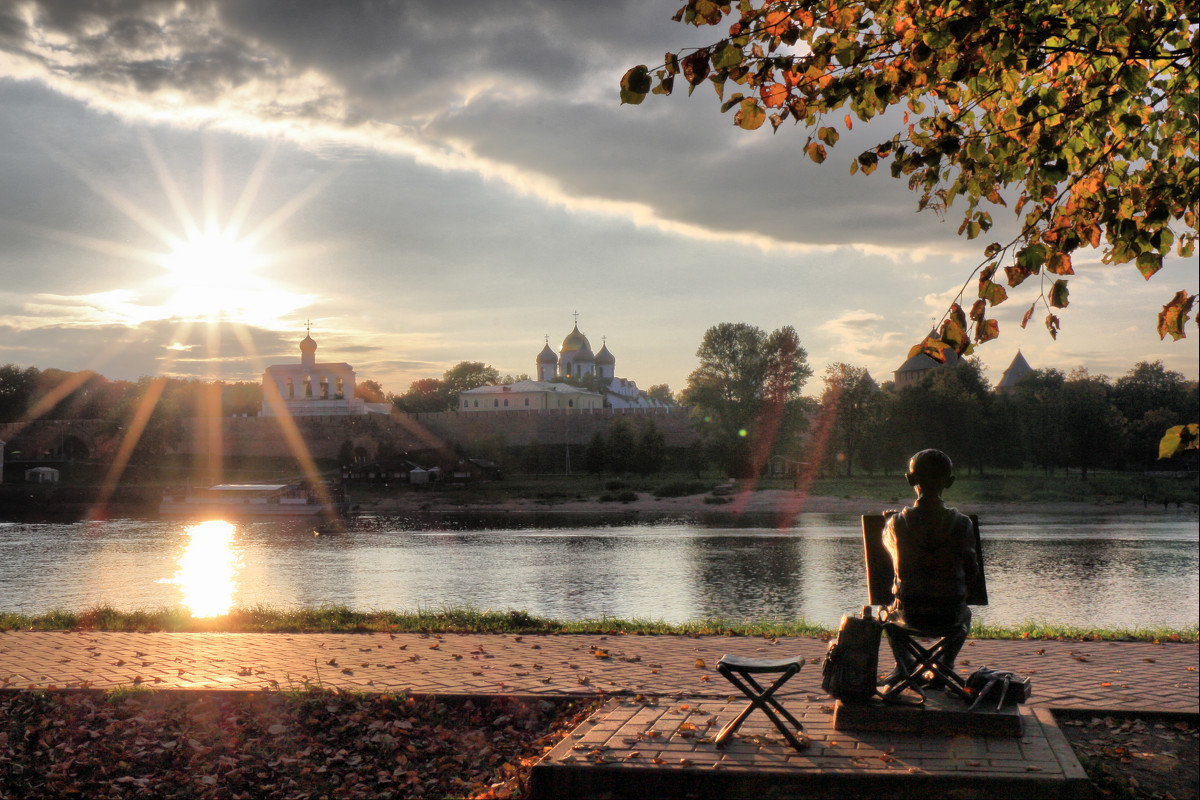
point(525, 84)
point(160, 347)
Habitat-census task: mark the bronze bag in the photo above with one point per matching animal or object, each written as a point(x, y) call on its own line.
point(851, 667)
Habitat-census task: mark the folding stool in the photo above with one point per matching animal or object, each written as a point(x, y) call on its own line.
point(926, 660)
point(740, 671)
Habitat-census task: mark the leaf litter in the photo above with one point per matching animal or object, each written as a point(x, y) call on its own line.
point(294, 744)
point(1136, 756)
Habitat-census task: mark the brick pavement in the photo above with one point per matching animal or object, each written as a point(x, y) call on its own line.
point(1111, 676)
point(652, 738)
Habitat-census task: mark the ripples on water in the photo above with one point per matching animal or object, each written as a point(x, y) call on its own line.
point(1109, 570)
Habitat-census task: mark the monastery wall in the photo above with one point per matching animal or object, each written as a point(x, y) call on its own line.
point(324, 436)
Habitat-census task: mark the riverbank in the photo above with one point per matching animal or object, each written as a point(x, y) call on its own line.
point(733, 506)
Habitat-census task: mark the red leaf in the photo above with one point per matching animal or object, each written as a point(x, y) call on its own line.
point(1174, 316)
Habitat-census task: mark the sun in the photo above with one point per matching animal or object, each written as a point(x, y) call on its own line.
point(211, 275)
point(215, 276)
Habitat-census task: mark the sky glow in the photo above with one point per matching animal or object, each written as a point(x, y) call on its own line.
point(438, 182)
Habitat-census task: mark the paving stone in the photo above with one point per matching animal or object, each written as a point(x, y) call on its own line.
point(1140, 677)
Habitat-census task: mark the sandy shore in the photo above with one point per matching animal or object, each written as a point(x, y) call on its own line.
point(767, 502)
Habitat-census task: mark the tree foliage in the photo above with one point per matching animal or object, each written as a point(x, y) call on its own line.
point(661, 392)
point(746, 392)
point(423, 395)
point(1082, 116)
point(849, 400)
point(468, 375)
point(369, 392)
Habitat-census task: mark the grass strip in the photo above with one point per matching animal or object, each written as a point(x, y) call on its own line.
point(340, 619)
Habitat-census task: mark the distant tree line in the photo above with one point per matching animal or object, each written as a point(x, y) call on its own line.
point(747, 407)
point(1051, 420)
point(153, 407)
point(29, 392)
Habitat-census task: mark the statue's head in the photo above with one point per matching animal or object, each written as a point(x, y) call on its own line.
point(931, 470)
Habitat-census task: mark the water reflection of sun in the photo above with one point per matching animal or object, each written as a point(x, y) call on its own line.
point(208, 569)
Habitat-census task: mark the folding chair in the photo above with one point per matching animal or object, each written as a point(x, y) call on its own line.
point(880, 574)
point(740, 671)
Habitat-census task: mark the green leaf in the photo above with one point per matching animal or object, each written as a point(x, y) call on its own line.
point(1149, 263)
point(993, 293)
point(1031, 258)
point(1178, 439)
point(727, 56)
point(750, 116)
point(635, 85)
point(938, 38)
point(1058, 294)
point(1133, 78)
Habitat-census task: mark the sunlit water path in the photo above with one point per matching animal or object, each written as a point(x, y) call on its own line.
point(1109, 570)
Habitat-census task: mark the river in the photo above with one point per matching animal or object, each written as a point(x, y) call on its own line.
point(1112, 570)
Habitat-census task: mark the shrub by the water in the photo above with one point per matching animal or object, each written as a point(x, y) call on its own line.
point(681, 488)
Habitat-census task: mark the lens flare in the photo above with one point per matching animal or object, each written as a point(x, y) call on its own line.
point(208, 569)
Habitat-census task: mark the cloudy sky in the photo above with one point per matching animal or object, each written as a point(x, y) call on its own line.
point(185, 183)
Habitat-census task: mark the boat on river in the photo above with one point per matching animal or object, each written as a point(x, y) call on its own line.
point(257, 500)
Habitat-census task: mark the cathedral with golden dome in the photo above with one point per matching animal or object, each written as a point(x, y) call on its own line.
point(575, 360)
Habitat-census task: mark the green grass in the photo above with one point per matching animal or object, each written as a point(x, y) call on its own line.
point(340, 619)
point(1026, 486)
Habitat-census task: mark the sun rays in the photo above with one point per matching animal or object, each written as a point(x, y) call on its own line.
point(204, 267)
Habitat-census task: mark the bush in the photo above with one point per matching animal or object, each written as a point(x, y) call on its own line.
point(627, 496)
point(712, 500)
point(615, 485)
point(681, 488)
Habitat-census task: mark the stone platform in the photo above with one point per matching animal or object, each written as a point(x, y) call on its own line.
point(663, 749)
point(939, 714)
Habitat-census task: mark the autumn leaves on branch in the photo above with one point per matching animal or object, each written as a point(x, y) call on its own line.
point(1083, 116)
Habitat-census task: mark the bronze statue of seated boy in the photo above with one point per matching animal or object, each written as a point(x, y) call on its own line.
point(932, 547)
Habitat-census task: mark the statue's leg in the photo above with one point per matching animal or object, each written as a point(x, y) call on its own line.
point(955, 642)
point(905, 663)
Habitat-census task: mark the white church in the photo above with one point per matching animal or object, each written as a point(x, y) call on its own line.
point(310, 389)
point(574, 360)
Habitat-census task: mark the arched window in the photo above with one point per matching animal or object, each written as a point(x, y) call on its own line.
point(506, 402)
